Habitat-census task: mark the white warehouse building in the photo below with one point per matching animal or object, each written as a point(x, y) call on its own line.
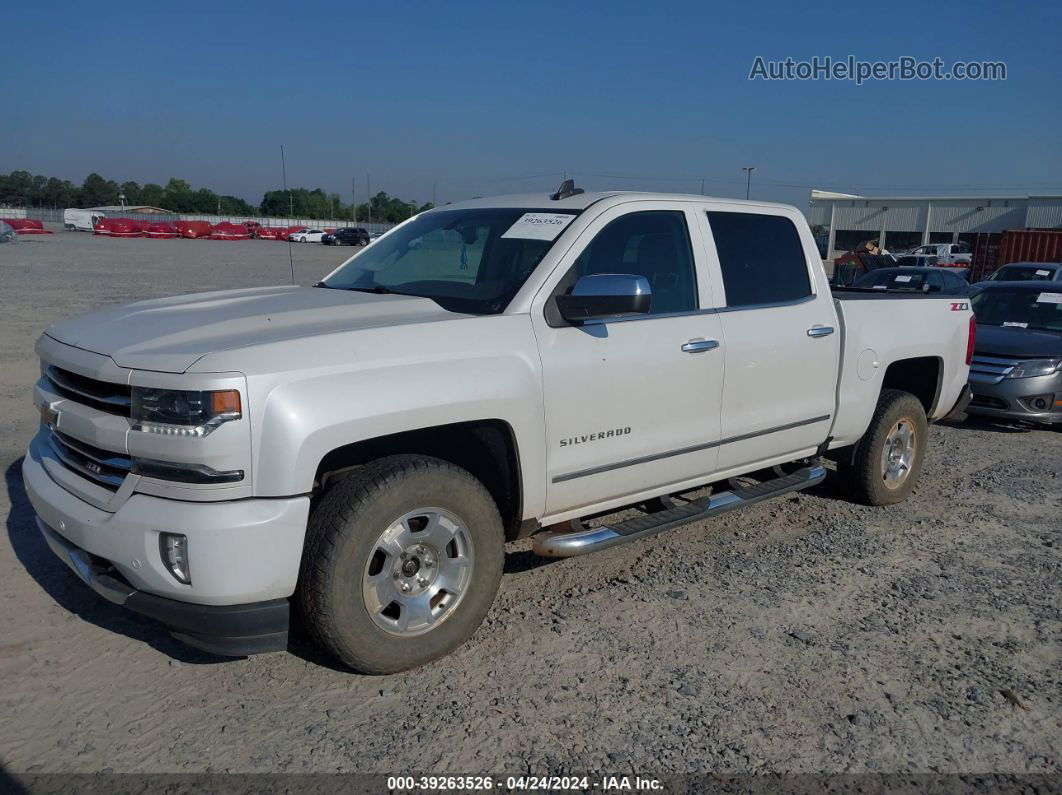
point(903, 222)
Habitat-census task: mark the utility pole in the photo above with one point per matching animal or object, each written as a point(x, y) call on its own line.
point(702, 187)
point(368, 196)
point(354, 199)
point(748, 182)
point(284, 171)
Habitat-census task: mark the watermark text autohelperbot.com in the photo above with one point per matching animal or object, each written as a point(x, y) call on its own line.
point(851, 68)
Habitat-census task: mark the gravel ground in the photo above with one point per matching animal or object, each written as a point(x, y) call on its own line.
point(802, 635)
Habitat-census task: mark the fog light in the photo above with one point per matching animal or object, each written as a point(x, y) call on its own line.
point(174, 550)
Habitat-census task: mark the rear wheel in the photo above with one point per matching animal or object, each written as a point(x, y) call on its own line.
point(888, 459)
point(402, 562)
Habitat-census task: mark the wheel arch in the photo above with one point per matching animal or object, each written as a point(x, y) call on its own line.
point(921, 376)
point(487, 449)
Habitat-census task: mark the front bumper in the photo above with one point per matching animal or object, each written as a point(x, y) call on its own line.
point(230, 630)
point(1037, 399)
point(244, 557)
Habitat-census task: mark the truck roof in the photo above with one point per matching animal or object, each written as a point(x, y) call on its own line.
point(580, 201)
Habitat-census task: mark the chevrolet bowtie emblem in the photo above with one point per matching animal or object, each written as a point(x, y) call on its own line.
point(49, 415)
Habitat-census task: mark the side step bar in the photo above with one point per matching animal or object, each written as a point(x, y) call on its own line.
point(581, 542)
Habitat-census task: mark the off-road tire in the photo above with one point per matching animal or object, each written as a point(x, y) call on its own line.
point(864, 479)
point(342, 534)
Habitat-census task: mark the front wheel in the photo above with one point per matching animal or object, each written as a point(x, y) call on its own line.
point(403, 559)
point(888, 459)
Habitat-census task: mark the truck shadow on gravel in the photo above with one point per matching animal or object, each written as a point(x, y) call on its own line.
point(71, 594)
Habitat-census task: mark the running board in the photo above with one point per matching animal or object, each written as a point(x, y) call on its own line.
point(580, 542)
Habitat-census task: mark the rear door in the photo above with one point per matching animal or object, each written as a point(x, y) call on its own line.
point(632, 404)
point(780, 331)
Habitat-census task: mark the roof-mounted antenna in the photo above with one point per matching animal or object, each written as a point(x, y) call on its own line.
point(566, 189)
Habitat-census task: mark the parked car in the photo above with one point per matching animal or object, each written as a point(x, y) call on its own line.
point(347, 236)
point(546, 359)
point(924, 280)
point(81, 220)
point(1017, 365)
point(1028, 271)
point(7, 233)
point(306, 235)
point(946, 253)
point(916, 261)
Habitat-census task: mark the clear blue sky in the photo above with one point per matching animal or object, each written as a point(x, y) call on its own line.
point(480, 96)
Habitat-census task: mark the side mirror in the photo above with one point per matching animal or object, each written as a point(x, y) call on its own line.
point(605, 295)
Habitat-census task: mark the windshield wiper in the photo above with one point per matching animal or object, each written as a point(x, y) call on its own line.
point(377, 289)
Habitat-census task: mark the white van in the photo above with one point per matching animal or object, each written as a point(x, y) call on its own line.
point(84, 220)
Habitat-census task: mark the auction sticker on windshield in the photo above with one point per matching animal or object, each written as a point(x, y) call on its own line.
point(539, 226)
point(1049, 298)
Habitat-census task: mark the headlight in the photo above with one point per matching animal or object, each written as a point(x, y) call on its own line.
point(1034, 367)
point(176, 412)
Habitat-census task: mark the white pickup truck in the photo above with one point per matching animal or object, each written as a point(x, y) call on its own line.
point(947, 254)
point(356, 453)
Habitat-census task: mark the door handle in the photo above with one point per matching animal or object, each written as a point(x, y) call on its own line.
point(820, 331)
point(699, 346)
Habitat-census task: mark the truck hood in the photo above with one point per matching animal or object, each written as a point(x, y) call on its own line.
point(170, 334)
point(1018, 342)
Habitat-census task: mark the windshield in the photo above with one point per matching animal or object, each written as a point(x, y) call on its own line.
point(472, 261)
point(1020, 308)
point(891, 280)
point(1022, 273)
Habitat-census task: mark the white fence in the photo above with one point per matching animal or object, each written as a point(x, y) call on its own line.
point(55, 215)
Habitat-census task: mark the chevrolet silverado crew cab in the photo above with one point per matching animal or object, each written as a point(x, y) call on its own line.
point(356, 454)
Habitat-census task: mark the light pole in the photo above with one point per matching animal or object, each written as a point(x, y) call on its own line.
point(748, 182)
point(121, 198)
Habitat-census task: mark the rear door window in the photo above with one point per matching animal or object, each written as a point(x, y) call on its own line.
point(761, 258)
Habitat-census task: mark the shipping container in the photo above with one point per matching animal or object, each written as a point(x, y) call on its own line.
point(993, 251)
point(1030, 245)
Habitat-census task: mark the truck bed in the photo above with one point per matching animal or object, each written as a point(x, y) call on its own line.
point(880, 327)
point(872, 293)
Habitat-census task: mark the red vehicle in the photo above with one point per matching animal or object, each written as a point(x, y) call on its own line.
point(27, 226)
point(194, 229)
point(102, 227)
point(123, 227)
point(230, 231)
point(161, 230)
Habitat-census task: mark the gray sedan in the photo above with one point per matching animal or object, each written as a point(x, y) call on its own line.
point(1017, 364)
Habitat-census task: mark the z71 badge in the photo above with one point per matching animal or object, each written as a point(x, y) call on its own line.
point(960, 306)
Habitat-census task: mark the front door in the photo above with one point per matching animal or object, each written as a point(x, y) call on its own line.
point(632, 405)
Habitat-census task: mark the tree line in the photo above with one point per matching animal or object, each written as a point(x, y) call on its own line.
point(22, 189)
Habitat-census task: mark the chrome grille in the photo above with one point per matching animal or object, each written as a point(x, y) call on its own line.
point(100, 466)
point(990, 369)
point(102, 395)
